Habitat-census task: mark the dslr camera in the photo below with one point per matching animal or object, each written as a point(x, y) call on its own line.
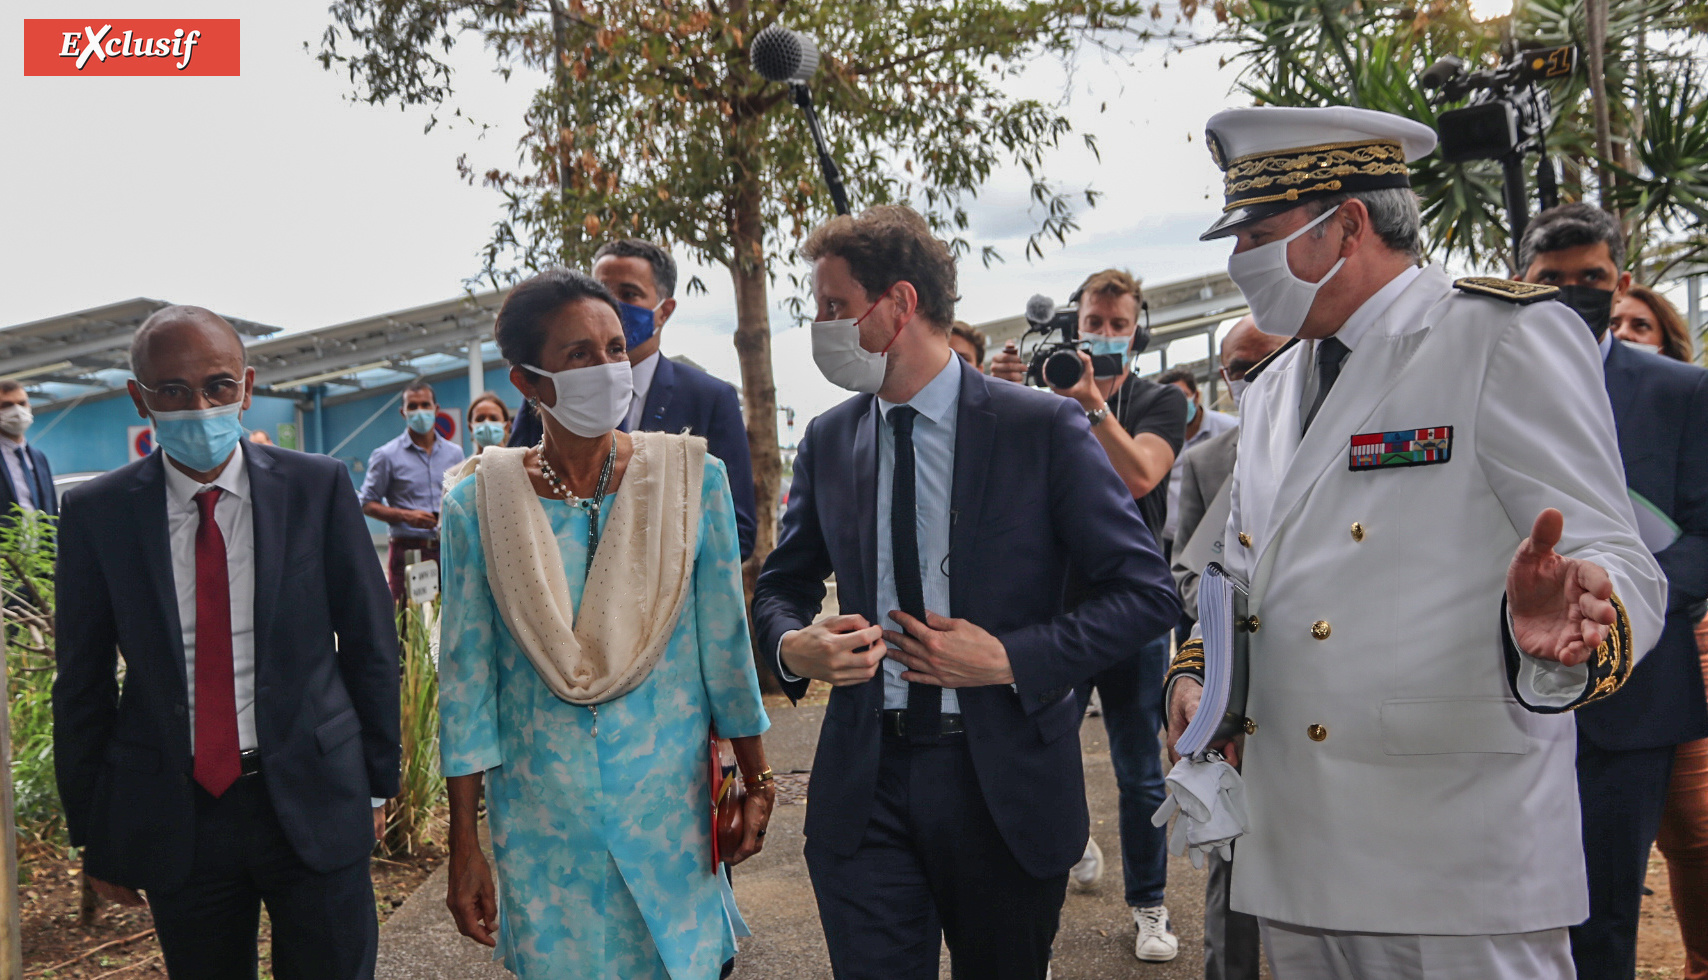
point(1056, 363)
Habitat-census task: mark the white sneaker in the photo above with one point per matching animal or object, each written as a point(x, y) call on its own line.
point(1156, 942)
point(1089, 870)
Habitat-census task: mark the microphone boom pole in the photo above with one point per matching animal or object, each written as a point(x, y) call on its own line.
point(832, 174)
point(782, 55)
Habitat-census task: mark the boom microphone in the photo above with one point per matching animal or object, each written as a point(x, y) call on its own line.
point(785, 56)
point(782, 55)
point(1040, 309)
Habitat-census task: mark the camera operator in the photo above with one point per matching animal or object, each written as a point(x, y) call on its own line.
point(1141, 426)
point(1626, 746)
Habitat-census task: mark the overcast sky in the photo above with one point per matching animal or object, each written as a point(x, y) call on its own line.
point(272, 197)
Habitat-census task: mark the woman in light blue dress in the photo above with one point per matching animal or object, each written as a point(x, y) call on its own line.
point(599, 812)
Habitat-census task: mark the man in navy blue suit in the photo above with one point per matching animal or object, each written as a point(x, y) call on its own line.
point(1626, 743)
point(669, 396)
point(947, 794)
point(29, 479)
point(255, 736)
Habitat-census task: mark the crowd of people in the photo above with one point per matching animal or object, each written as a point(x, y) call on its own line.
point(1474, 531)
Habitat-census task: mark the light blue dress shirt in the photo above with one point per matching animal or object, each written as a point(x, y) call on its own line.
point(934, 480)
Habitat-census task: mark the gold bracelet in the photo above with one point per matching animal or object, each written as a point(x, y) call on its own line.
point(754, 782)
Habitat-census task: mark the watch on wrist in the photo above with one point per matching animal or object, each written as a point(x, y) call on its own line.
point(1097, 415)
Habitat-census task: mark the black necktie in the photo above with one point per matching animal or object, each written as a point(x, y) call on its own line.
point(924, 701)
point(1330, 354)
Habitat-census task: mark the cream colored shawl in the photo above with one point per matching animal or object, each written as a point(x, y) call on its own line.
point(642, 572)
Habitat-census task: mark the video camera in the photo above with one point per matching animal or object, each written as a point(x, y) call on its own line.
point(1056, 364)
point(1507, 112)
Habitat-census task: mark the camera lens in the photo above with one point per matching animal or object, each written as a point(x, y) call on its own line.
point(1063, 368)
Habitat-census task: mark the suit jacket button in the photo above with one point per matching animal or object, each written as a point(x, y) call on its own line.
point(1317, 733)
point(1244, 540)
point(1250, 727)
point(1321, 629)
point(1357, 531)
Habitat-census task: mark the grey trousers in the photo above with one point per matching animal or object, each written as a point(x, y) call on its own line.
point(1231, 939)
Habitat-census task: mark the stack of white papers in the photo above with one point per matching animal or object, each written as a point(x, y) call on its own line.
point(1657, 530)
point(1218, 595)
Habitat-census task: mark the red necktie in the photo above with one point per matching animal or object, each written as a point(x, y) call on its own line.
point(217, 765)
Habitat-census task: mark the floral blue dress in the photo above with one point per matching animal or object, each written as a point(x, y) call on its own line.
point(599, 816)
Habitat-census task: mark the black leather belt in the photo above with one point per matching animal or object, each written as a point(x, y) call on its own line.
point(895, 723)
point(249, 762)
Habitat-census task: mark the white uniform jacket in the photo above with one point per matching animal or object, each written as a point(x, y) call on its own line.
point(1395, 782)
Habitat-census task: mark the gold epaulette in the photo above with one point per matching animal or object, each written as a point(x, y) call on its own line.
point(1610, 666)
point(1506, 290)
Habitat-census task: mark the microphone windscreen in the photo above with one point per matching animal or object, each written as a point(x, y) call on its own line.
point(1039, 309)
point(782, 55)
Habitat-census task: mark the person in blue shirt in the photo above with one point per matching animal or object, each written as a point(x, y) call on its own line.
point(406, 478)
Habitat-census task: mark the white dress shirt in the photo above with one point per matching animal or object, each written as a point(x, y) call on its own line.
point(643, 373)
point(23, 484)
point(1355, 327)
point(235, 515)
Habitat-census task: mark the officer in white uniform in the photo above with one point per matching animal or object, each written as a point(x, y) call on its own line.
point(1429, 507)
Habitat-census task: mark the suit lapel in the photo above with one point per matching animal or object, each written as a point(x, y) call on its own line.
point(866, 502)
point(148, 509)
point(1365, 379)
point(975, 432)
point(659, 396)
point(267, 493)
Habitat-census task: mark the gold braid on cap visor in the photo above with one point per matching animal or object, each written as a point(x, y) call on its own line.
point(1322, 167)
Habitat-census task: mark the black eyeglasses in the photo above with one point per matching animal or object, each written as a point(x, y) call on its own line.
point(173, 396)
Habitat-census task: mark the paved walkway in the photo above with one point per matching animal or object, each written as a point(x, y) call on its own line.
point(419, 942)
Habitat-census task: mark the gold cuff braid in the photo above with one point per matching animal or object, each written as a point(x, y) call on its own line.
point(1189, 659)
point(1610, 666)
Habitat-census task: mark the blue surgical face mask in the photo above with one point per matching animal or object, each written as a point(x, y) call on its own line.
point(420, 422)
point(200, 438)
point(639, 323)
point(1191, 411)
point(1100, 344)
point(488, 433)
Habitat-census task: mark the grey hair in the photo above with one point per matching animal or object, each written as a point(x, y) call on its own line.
point(1393, 216)
point(1569, 226)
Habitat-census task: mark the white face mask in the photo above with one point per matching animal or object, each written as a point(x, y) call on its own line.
point(1236, 391)
point(592, 400)
point(840, 358)
point(15, 419)
point(1278, 299)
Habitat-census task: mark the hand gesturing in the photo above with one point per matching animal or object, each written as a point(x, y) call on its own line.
point(1561, 608)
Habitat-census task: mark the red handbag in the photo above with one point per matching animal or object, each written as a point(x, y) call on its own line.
point(729, 807)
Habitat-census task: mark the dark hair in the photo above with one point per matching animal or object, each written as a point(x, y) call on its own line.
point(1569, 226)
point(888, 244)
point(663, 266)
point(486, 396)
point(420, 384)
point(972, 335)
point(8, 386)
point(1675, 337)
point(520, 327)
point(1178, 376)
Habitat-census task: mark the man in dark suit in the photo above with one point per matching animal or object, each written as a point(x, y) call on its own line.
point(1626, 743)
point(255, 737)
point(29, 478)
point(669, 396)
point(947, 794)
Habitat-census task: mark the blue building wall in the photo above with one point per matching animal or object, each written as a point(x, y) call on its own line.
point(93, 436)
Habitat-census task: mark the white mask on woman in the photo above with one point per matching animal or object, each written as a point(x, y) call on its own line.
point(1279, 300)
point(591, 400)
point(840, 358)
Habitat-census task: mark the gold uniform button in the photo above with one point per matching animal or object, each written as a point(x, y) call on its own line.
point(1321, 629)
point(1357, 531)
point(1317, 733)
point(1250, 727)
point(1244, 540)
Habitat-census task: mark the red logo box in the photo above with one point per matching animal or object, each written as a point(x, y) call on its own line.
point(132, 47)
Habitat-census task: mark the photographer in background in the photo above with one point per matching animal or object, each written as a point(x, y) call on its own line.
point(1141, 426)
point(1626, 744)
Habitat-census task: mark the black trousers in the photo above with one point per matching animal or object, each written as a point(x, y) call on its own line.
point(933, 868)
point(324, 926)
point(1622, 795)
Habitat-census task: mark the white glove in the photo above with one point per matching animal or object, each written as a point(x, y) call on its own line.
point(1209, 796)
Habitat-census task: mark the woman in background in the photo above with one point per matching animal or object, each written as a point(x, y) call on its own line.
point(1643, 316)
point(488, 422)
